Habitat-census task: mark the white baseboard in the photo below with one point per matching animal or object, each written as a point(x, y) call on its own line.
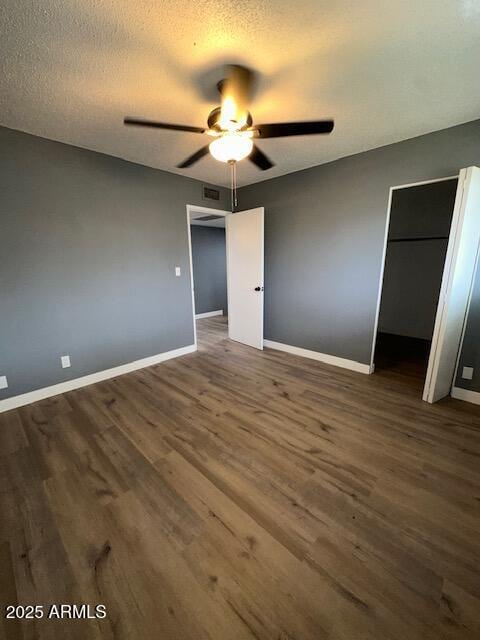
point(321, 357)
point(92, 378)
point(209, 314)
point(465, 394)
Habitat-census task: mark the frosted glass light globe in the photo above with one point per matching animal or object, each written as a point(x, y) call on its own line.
point(231, 146)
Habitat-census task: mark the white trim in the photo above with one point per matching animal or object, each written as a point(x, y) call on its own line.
point(382, 272)
point(209, 314)
point(467, 313)
point(441, 335)
point(466, 395)
point(190, 261)
point(207, 210)
point(344, 363)
point(384, 253)
point(419, 184)
point(92, 378)
point(445, 288)
point(190, 209)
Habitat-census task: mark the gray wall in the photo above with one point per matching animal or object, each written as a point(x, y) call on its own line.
point(88, 247)
point(411, 287)
point(413, 267)
point(324, 233)
point(209, 268)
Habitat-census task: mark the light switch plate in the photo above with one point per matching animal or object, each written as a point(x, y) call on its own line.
point(65, 360)
point(3, 382)
point(467, 373)
point(178, 271)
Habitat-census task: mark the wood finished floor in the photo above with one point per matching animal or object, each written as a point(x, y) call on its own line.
point(236, 494)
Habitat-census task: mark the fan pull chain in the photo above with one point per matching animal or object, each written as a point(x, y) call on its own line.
point(233, 175)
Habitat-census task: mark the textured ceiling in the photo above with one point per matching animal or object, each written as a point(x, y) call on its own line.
point(386, 70)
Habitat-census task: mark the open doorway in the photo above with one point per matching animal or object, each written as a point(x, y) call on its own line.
point(419, 227)
point(226, 267)
point(208, 255)
point(412, 292)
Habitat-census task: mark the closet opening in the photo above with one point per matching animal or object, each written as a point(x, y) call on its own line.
point(416, 249)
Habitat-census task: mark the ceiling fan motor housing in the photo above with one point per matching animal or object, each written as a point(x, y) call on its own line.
point(214, 117)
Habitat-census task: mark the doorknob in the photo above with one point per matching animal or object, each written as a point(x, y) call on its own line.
point(258, 288)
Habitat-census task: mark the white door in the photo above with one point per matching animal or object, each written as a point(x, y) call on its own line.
point(458, 274)
point(245, 276)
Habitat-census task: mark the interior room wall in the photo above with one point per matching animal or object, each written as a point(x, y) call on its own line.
point(414, 267)
point(324, 237)
point(209, 269)
point(89, 244)
point(413, 275)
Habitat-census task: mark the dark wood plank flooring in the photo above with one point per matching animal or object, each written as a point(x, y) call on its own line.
point(233, 494)
point(403, 356)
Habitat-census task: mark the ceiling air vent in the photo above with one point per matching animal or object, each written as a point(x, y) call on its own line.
point(211, 194)
point(206, 218)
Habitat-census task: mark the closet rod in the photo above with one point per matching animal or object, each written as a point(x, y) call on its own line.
point(417, 239)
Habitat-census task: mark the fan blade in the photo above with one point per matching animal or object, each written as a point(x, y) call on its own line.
point(236, 93)
point(162, 125)
point(283, 129)
point(260, 159)
point(194, 157)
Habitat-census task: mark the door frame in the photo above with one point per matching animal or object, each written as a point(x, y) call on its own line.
point(209, 211)
point(464, 328)
point(384, 253)
point(453, 251)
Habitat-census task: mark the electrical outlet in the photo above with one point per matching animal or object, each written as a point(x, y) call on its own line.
point(178, 271)
point(3, 382)
point(65, 360)
point(467, 373)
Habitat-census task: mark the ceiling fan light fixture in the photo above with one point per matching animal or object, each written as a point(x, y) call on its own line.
point(231, 146)
point(231, 125)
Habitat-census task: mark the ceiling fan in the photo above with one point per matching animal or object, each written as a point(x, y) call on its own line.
point(231, 125)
